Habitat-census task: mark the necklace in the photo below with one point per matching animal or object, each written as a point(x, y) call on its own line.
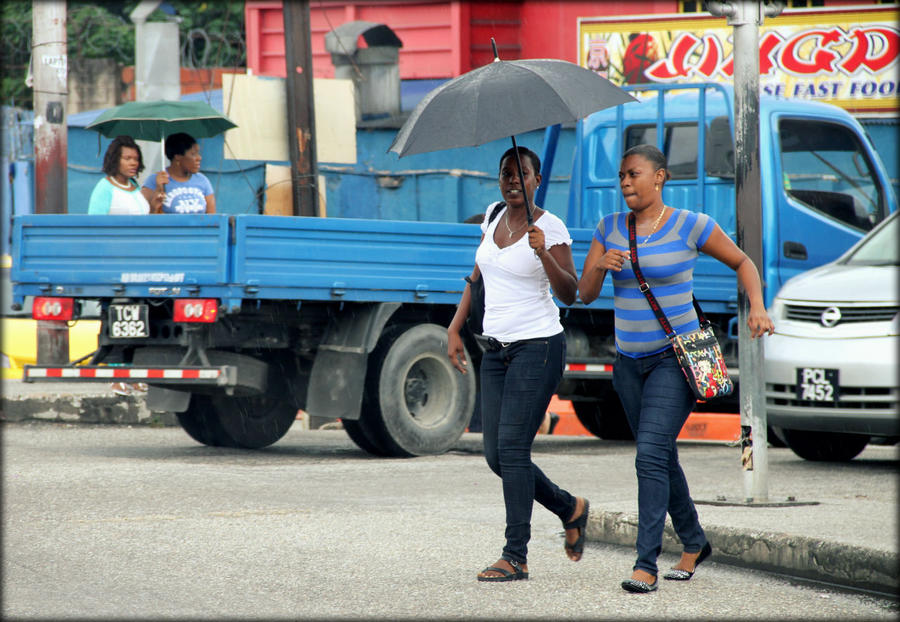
point(655, 225)
point(117, 184)
point(511, 232)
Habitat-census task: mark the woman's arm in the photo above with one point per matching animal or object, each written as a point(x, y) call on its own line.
point(722, 248)
point(153, 191)
point(558, 264)
point(597, 263)
point(210, 204)
point(101, 198)
point(455, 349)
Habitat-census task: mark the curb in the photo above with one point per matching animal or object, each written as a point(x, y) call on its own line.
point(60, 408)
point(798, 556)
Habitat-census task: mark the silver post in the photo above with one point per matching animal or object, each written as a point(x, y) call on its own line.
point(746, 17)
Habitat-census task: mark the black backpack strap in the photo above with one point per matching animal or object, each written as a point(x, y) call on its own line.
point(496, 211)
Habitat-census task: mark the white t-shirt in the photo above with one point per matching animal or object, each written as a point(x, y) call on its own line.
point(109, 199)
point(517, 299)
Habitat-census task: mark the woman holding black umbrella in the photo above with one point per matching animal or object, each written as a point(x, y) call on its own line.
point(524, 355)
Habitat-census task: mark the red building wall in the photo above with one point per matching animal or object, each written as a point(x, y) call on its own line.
point(441, 39)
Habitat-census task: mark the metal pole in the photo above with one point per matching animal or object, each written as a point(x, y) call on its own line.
point(746, 17)
point(300, 108)
point(50, 69)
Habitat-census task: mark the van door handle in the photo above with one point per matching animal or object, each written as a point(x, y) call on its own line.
point(795, 250)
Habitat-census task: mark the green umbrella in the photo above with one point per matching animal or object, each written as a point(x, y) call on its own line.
point(155, 120)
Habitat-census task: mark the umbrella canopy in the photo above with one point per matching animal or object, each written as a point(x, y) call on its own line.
point(502, 99)
point(154, 120)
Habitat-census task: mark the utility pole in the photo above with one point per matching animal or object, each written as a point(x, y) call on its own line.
point(300, 108)
point(746, 17)
point(50, 77)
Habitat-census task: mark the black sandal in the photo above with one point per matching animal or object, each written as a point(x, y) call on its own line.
point(580, 524)
point(516, 575)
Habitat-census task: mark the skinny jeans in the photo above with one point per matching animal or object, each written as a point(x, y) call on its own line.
point(517, 383)
point(657, 402)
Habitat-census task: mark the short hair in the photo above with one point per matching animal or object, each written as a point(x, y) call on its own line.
point(178, 144)
point(114, 154)
point(523, 151)
point(653, 155)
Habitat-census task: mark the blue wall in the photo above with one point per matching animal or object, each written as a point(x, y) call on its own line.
point(446, 186)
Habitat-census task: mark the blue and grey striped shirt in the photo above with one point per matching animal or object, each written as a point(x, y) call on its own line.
point(667, 261)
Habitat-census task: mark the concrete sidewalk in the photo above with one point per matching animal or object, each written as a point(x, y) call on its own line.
point(841, 526)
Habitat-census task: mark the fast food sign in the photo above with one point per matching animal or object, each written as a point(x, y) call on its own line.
point(847, 57)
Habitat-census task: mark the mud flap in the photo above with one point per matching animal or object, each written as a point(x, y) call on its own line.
point(339, 371)
point(160, 399)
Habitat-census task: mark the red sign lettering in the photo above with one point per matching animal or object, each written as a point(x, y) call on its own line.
point(820, 60)
point(861, 54)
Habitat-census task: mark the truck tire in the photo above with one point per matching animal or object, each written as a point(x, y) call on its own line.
point(604, 418)
point(825, 446)
point(201, 422)
point(354, 429)
point(256, 421)
point(417, 402)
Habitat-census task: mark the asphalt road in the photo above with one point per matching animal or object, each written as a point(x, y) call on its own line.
point(118, 522)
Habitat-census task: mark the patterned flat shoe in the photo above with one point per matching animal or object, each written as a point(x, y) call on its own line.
point(639, 587)
point(677, 574)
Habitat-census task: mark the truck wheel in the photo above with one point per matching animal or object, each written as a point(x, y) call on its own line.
point(825, 446)
point(604, 418)
point(417, 402)
point(354, 429)
point(201, 422)
point(254, 422)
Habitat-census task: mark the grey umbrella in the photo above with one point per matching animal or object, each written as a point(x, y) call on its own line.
point(501, 99)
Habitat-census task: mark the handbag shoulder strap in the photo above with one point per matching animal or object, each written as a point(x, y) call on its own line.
point(645, 287)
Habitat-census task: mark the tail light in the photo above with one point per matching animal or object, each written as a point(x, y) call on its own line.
point(196, 309)
point(46, 308)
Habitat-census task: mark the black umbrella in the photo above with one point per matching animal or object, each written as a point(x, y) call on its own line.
point(505, 98)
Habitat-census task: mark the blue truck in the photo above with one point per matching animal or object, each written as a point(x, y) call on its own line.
point(238, 321)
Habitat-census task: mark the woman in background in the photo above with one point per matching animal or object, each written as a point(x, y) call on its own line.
point(119, 192)
point(186, 189)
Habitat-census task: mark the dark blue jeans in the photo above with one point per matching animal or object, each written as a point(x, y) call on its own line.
point(657, 401)
point(516, 386)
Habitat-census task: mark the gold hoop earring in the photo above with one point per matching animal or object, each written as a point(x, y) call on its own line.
point(656, 187)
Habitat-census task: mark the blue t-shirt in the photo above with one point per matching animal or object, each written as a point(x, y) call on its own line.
point(667, 261)
point(184, 197)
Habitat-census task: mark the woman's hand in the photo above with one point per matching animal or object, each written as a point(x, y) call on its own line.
point(536, 240)
point(456, 351)
point(759, 322)
point(613, 259)
point(162, 178)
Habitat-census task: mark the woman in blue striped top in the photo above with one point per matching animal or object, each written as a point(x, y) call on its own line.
point(646, 375)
